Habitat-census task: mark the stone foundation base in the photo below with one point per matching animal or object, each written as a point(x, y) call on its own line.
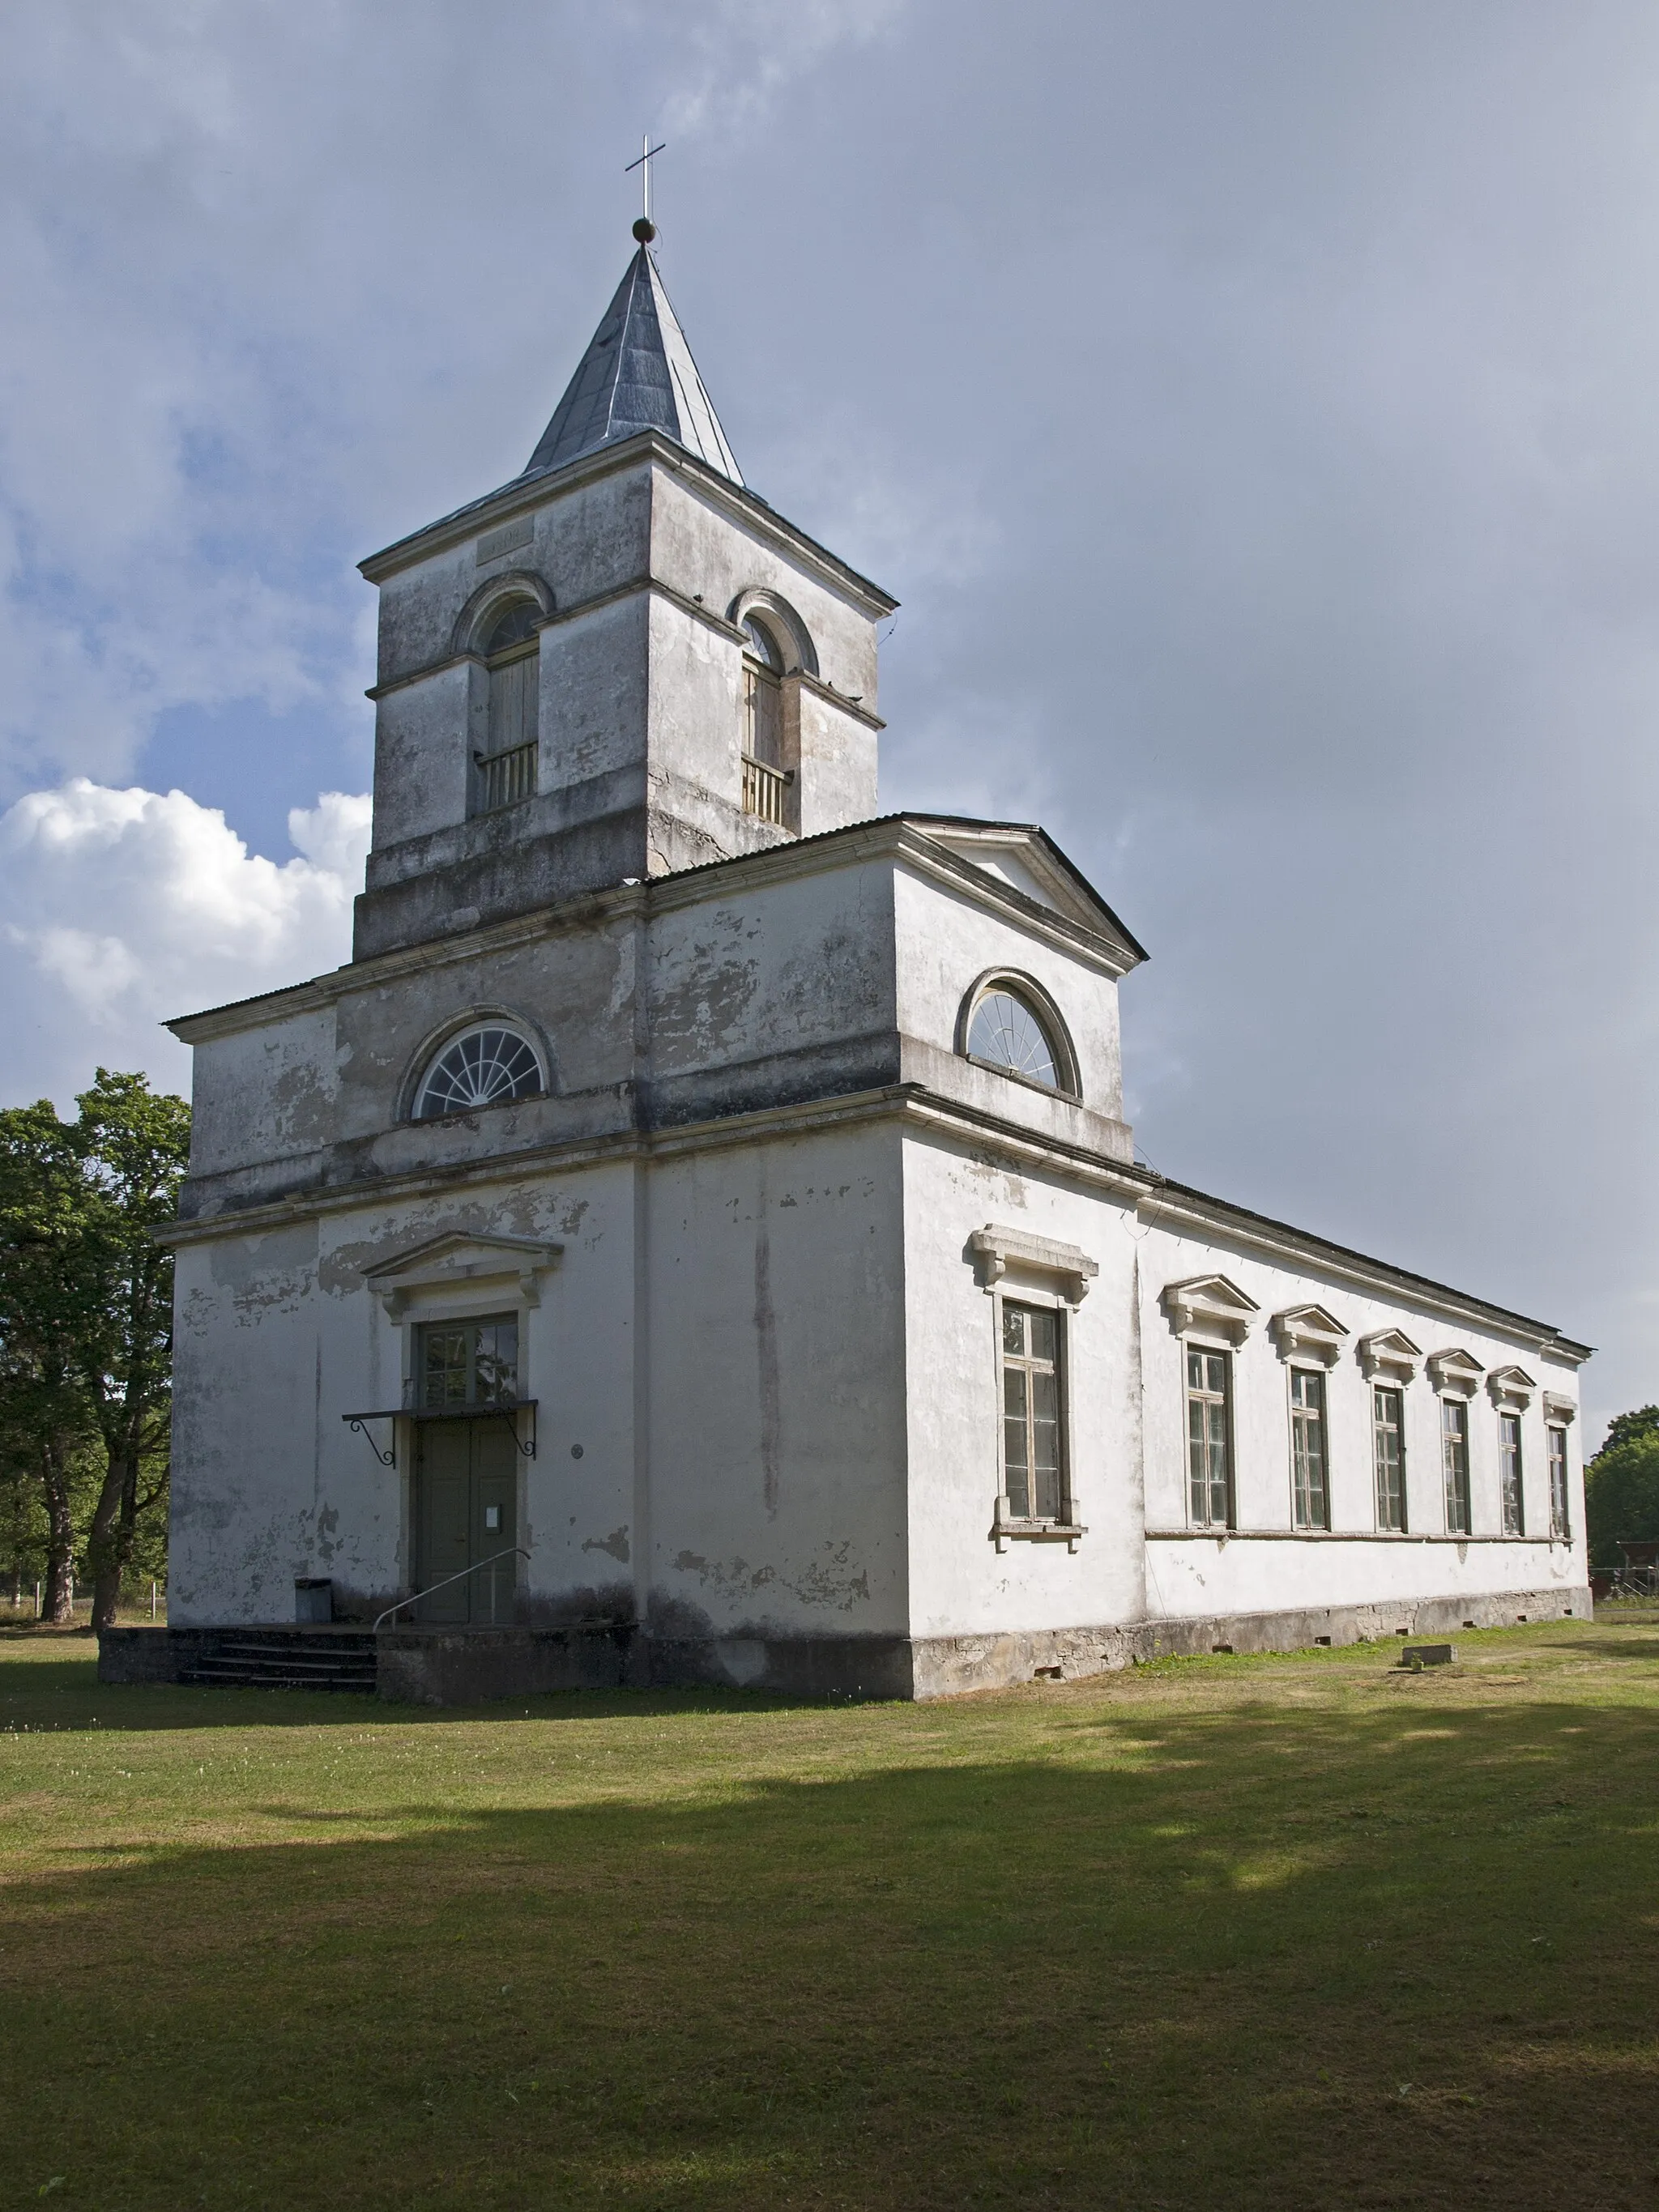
point(459, 1666)
point(945, 1666)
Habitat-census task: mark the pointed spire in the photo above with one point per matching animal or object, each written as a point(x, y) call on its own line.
point(637, 374)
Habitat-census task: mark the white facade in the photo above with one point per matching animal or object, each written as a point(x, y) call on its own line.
point(759, 1219)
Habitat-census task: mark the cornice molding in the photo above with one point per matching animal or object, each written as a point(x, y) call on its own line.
point(525, 494)
point(1176, 1207)
point(852, 708)
point(894, 834)
point(694, 608)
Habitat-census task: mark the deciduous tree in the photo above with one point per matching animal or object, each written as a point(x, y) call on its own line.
point(85, 1314)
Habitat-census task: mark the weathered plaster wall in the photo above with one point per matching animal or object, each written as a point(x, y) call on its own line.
point(640, 703)
point(783, 991)
point(778, 1370)
point(702, 546)
point(834, 760)
point(279, 1337)
point(960, 1583)
point(945, 942)
point(269, 1093)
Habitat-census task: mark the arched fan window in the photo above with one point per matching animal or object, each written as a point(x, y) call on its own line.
point(1006, 1030)
point(507, 767)
point(485, 1067)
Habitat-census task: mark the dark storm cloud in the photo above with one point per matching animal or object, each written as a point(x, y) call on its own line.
point(1252, 404)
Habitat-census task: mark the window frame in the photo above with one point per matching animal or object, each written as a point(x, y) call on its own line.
point(1555, 1436)
point(1511, 1474)
point(521, 784)
point(431, 1325)
point(435, 1049)
point(1450, 1402)
point(1198, 1348)
point(1302, 1415)
point(1049, 1018)
point(1055, 1278)
point(1031, 1366)
point(1396, 1391)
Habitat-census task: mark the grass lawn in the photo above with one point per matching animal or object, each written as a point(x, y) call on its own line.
point(1228, 1933)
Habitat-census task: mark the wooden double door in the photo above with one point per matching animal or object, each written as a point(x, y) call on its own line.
point(467, 1484)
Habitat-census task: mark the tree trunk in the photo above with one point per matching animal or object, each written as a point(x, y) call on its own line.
point(57, 1601)
point(110, 1543)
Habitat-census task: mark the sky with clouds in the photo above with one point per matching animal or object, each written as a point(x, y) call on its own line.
point(1252, 403)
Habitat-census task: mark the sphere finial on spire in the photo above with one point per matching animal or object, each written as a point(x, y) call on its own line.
point(644, 230)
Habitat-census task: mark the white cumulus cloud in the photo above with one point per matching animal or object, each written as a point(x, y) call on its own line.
point(118, 908)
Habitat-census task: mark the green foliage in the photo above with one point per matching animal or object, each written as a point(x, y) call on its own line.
point(1626, 1428)
point(1621, 1490)
point(86, 1297)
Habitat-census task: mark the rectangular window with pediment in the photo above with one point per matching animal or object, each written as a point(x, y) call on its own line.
point(1209, 1437)
point(1033, 1430)
point(1560, 1523)
point(1388, 1455)
point(1509, 1473)
point(1455, 1462)
point(1310, 1496)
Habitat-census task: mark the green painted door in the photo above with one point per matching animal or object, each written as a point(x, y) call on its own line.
point(466, 1485)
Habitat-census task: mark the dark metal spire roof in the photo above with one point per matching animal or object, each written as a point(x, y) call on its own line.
point(637, 374)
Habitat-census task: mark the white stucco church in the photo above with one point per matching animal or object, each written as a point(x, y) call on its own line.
point(696, 1236)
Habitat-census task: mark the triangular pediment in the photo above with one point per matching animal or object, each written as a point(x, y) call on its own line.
point(457, 1258)
point(1209, 1305)
point(1309, 1330)
point(1024, 859)
point(1454, 1370)
point(1390, 1352)
point(1511, 1386)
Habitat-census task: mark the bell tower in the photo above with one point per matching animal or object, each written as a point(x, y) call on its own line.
point(622, 664)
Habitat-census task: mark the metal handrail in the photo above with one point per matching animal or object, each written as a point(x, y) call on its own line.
point(512, 1551)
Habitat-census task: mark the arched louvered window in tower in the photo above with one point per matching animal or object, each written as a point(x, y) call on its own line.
point(507, 767)
point(765, 782)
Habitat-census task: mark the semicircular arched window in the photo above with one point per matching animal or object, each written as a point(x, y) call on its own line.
point(485, 1067)
point(1006, 1030)
point(506, 772)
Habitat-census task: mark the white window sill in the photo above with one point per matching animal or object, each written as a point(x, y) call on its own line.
point(1068, 1533)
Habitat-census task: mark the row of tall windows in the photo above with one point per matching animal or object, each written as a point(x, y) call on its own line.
point(1210, 1455)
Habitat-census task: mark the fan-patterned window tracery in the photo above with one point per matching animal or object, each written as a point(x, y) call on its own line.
point(483, 1066)
point(1007, 1032)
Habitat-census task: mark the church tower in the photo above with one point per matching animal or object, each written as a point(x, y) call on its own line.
point(620, 665)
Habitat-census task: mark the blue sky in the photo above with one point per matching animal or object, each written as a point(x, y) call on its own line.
point(1252, 406)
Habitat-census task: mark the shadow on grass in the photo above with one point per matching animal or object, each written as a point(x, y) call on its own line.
point(1254, 1958)
point(64, 1692)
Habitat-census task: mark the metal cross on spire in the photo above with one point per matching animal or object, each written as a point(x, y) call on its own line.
point(645, 230)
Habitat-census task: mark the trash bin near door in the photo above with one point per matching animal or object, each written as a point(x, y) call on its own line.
point(313, 1598)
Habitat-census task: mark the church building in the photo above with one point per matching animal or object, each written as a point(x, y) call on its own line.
point(696, 1238)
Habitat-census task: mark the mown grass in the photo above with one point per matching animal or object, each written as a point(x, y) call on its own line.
point(1242, 1933)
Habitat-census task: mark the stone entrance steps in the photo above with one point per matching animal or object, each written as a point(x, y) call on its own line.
point(285, 1659)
